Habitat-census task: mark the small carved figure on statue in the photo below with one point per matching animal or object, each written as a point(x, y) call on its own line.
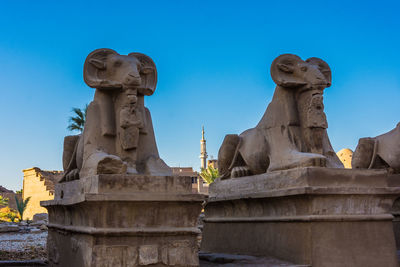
point(131, 124)
point(130, 121)
point(315, 124)
point(118, 137)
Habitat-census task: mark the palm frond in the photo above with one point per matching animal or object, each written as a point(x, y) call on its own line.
point(21, 206)
point(209, 174)
point(77, 122)
point(26, 202)
point(78, 112)
point(3, 201)
point(73, 127)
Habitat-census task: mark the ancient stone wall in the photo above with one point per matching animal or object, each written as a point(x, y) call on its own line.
point(39, 185)
point(198, 186)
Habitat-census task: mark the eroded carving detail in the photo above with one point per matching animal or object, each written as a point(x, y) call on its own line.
point(52, 250)
point(381, 152)
point(105, 256)
point(118, 136)
point(292, 133)
point(148, 254)
point(179, 253)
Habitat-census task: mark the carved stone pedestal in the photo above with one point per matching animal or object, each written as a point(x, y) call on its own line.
point(315, 216)
point(124, 220)
point(396, 222)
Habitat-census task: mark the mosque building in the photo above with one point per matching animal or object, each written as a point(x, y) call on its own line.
point(203, 151)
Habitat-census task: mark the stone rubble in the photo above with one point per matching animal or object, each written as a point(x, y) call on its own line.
point(20, 241)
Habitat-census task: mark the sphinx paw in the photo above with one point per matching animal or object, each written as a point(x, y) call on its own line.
point(111, 165)
point(72, 175)
point(240, 171)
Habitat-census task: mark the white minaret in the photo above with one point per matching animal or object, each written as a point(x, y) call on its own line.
point(203, 151)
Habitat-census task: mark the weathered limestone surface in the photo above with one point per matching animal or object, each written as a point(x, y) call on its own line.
point(381, 152)
point(118, 136)
point(38, 185)
point(396, 222)
point(311, 215)
point(117, 204)
point(124, 220)
point(283, 190)
point(8, 228)
point(292, 133)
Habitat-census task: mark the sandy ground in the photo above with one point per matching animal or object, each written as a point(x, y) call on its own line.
point(231, 260)
point(23, 246)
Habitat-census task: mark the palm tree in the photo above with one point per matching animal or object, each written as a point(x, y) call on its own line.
point(21, 206)
point(209, 174)
point(3, 201)
point(78, 121)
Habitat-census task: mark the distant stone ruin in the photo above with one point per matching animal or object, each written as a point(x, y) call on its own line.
point(39, 186)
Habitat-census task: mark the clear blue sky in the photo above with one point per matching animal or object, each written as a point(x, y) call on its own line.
point(213, 60)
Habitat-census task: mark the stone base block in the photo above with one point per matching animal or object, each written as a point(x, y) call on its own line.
point(124, 220)
point(311, 216)
point(68, 248)
point(396, 229)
